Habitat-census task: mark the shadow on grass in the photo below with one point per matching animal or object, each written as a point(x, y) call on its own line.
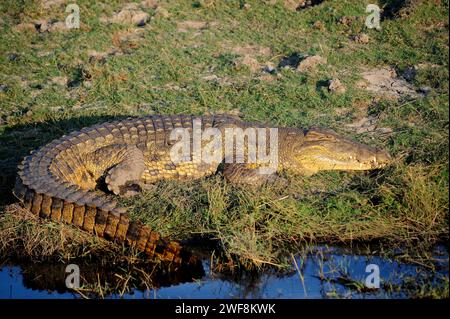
point(321, 86)
point(391, 8)
point(18, 141)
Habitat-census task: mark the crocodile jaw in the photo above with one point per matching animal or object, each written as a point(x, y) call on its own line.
point(325, 150)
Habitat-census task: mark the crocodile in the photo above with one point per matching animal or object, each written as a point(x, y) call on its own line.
point(75, 179)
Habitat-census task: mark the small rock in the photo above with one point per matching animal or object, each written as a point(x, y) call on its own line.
point(251, 63)
point(246, 6)
point(140, 18)
point(310, 62)
point(319, 25)
point(335, 86)
point(41, 25)
point(131, 15)
point(3, 88)
point(303, 4)
point(362, 38)
point(347, 21)
point(269, 67)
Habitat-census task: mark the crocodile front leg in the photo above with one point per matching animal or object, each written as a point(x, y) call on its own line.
point(123, 165)
point(123, 178)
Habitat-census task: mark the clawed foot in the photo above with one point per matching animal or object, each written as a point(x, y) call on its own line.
point(123, 181)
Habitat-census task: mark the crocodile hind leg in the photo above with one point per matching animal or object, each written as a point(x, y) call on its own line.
point(125, 177)
point(249, 174)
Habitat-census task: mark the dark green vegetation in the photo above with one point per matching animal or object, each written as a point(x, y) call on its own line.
point(201, 58)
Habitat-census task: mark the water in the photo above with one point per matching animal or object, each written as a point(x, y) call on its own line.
point(324, 273)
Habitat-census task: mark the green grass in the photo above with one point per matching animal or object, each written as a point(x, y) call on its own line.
point(163, 71)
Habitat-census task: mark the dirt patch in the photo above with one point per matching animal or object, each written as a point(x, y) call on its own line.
point(309, 63)
point(246, 49)
point(101, 57)
point(385, 82)
point(136, 14)
point(47, 4)
point(216, 79)
point(128, 39)
point(364, 124)
point(131, 14)
point(59, 80)
point(248, 55)
point(25, 27)
point(43, 26)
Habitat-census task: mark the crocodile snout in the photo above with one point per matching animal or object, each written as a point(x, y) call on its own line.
point(376, 158)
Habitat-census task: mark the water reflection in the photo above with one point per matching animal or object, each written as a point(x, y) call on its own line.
point(321, 273)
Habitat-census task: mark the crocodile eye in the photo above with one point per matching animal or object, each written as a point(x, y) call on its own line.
point(321, 134)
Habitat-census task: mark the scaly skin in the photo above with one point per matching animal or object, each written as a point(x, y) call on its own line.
point(60, 180)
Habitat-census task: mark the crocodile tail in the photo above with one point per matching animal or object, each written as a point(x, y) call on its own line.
point(47, 195)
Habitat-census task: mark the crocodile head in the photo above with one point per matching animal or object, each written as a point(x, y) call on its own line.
point(323, 149)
